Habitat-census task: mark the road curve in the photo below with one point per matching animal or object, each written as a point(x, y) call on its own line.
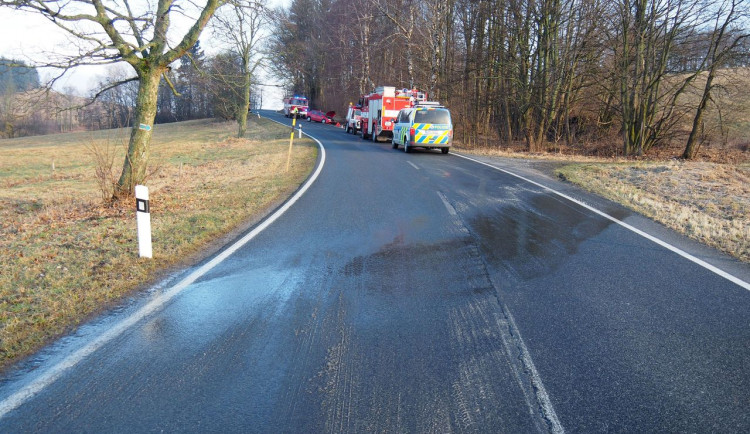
point(419, 292)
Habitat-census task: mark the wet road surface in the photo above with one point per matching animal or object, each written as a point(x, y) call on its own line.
point(422, 293)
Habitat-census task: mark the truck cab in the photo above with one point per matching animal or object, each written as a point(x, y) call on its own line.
point(297, 102)
point(353, 119)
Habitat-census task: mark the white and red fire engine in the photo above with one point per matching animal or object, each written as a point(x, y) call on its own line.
point(380, 108)
point(298, 102)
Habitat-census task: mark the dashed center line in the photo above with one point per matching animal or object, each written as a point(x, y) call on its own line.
point(413, 165)
point(448, 206)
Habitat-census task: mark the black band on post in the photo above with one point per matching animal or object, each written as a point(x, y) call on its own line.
point(141, 205)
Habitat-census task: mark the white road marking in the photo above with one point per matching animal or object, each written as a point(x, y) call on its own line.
point(49, 376)
point(448, 206)
point(536, 380)
point(684, 254)
point(413, 165)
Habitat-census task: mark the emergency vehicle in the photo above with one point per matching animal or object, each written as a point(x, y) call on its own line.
point(353, 118)
point(380, 108)
point(426, 125)
point(298, 102)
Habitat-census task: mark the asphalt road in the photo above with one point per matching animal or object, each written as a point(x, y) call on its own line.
point(415, 293)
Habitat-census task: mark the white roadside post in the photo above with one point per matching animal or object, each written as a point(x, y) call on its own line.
point(300, 130)
point(143, 218)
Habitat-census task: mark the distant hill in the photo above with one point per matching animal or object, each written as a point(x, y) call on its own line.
point(16, 76)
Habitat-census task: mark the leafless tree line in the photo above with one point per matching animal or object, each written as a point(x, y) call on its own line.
point(204, 87)
point(536, 71)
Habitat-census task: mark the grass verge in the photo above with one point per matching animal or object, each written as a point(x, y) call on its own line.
point(65, 256)
point(706, 201)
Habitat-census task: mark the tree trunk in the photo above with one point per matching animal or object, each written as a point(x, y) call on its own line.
point(244, 106)
point(136, 160)
point(692, 141)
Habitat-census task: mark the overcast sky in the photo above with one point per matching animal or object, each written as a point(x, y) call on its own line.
point(30, 37)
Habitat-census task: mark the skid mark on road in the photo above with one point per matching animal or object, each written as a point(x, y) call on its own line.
point(478, 317)
point(339, 376)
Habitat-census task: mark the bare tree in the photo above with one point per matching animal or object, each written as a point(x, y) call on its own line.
point(647, 33)
point(726, 36)
point(240, 26)
point(403, 15)
point(112, 31)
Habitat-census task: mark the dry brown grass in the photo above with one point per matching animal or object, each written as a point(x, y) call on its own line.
point(708, 202)
point(64, 255)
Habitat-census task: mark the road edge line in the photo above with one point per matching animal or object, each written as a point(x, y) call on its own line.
point(716, 270)
point(49, 376)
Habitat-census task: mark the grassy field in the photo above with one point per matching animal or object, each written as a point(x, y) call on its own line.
point(65, 254)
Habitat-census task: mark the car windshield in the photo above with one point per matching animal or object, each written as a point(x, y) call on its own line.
point(432, 117)
point(299, 102)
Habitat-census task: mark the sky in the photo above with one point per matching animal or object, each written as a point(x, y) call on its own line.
point(32, 38)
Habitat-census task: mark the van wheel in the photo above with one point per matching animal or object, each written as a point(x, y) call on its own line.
point(394, 145)
point(407, 148)
point(444, 150)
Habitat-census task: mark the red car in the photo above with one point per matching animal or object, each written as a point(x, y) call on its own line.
point(319, 116)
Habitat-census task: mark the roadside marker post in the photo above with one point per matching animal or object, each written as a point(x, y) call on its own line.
point(143, 219)
point(291, 140)
point(300, 130)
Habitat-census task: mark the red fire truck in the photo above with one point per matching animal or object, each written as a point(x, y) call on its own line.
point(380, 108)
point(298, 102)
